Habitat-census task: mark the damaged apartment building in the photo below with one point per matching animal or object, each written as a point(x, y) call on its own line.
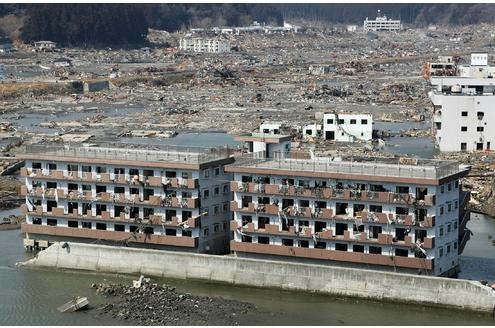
point(381, 23)
point(341, 127)
point(172, 199)
point(462, 106)
point(380, 213)
point(394, 214)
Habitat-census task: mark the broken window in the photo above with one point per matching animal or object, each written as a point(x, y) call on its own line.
point(303, 203)
point(321, 245)
point(133, 228)
point(375, 250)
point(101, 169)
point(171, 232)
point(134, 191)
point(119, 190)
point(262, 221)
point(51, 185)
point(119, 227)
point(320, 204)
point(420, 235)
point(287, 202)
point(72, 167)
point(169, 214)
point(101, 189)
point(148, 173)
point(287, 223)
point(186, 233)
point(374, 231)
point(186, 175)
point(51, 222)
point(86, 187)
point(133, 172)
point(400, 233)
point(402, 189)
point(86, 168)
point(264, 200)
point(52, 166)
point(379, 188)
point(147, 212)
point(303, 243)
point(100, 208)
point(101, 226)
point(119, 171)
point(148, 230)
point(340, 228)
point(50, 204)
point(376, 208)
point(358, 208)
point(287, 242)
point(246, 200)
point(72, 224)
point(186, 215)
point(341, 247)
point(263, 240)
point(170, 174)
point(71, 206)
point(86, 225)
point(246, 219)
point(340, 208)
point(358, 248)
point(147, 193)
point(401, 210)
point(72, 187)
point(319, 226)
point(246, 239)
point(247, 178)
point(401, 252)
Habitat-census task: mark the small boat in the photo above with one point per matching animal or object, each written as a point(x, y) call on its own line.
point(74, 305)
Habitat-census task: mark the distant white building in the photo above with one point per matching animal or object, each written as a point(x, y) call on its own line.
point(463, 116)
point(204, 45)
point(381, 23)
point(270, 127)
point(347, 127)
point(351, 28)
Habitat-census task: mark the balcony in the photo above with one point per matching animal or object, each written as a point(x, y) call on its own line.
point(330, 193)
point(151, 181)
point(323, 254)
point(190, 242)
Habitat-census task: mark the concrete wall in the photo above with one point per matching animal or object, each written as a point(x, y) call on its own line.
point(323, 279)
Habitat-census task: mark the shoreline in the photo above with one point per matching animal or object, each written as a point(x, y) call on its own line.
point(357, 283)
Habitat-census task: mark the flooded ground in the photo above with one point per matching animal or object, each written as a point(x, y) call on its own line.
point(31, 297)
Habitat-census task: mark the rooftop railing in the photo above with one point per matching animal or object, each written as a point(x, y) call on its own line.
point(388, 167)
point(190, 155)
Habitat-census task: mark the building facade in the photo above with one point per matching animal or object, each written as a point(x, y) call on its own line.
point(386, 214)
point(347, 127)
point(204, 45)
point(462, 107)
point(175, 199)
point(381, 23)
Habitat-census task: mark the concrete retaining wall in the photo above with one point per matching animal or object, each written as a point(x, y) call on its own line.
point(322, 279)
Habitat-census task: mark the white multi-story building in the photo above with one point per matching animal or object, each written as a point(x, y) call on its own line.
point(381, 23)
point(204, 45)
point(463, 115)
point(404, 215)
point(175, 199)
point(347, 127)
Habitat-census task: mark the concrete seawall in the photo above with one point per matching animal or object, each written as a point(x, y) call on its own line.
point(456, 293)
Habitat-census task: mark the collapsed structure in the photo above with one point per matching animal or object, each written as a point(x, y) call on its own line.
point(382, 213)
point(462, 98)
point(176, 198)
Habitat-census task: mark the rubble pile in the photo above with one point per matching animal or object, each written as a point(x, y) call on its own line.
point(153, 304)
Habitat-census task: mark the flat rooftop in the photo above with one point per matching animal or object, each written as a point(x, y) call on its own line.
point(126, 153)
point(263, 137)
point(358, 166)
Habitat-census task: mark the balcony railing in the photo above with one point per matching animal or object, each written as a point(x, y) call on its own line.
point(331, 193)
point(182, 241)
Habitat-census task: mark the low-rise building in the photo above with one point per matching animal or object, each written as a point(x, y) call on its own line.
point(267, 143)
point(173, 199)
point(347, 127)
point(44, 46)
point(392, 214)
point(204, 45)
point(381, 23)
